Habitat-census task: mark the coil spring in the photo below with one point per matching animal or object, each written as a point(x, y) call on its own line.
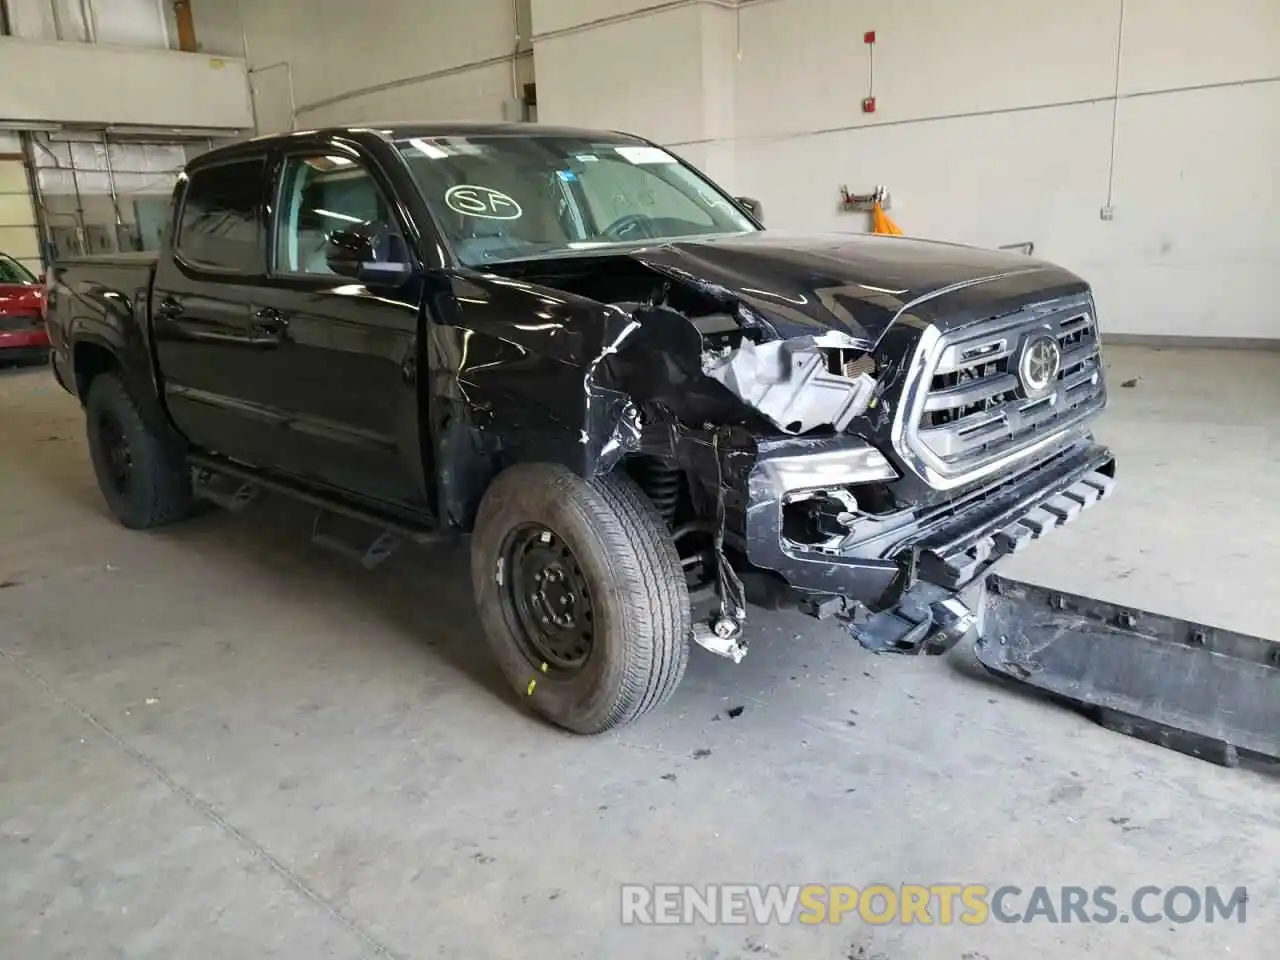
point(661, 483)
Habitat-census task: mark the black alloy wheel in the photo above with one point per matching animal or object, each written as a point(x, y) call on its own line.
point(115, 448)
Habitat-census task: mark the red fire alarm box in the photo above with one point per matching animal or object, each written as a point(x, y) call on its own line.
point(868, 104)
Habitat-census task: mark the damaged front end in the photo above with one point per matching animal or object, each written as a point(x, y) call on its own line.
point(811, 437)
point(818, 506)
point(864, 452)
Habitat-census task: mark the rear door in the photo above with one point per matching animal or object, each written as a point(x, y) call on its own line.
point(204, 304)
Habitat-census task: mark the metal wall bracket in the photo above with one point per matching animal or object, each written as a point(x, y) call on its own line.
point(864, 201)
point(1027, 247)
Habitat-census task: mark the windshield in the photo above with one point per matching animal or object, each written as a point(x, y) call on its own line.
point(506, 197)
point(11, 271)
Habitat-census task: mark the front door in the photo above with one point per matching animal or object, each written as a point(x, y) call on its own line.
point(344, 376)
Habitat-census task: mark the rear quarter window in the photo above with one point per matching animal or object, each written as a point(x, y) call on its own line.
point(222, 221)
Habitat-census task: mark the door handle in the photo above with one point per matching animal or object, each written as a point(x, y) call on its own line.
point(271, 322)
point(169, 308)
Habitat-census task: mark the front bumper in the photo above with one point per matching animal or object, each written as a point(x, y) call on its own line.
point(952, 544)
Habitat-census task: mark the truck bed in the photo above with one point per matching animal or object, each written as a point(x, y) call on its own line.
point(99, 298)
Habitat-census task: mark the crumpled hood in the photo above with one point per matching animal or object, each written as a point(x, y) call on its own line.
point(859, 283)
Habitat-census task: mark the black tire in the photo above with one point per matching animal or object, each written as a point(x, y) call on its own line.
point(638, 601)
point(153, 487)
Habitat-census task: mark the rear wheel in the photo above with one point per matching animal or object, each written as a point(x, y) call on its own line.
point(140, 470)
point(581, 595)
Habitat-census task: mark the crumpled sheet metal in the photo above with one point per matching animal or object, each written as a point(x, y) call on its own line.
point(788, 381)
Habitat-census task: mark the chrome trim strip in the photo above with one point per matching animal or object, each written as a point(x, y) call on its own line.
point(832, 468)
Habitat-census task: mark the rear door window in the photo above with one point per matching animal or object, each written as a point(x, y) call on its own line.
point(222, 225)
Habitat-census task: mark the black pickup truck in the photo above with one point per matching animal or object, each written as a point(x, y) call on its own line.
point(575, 348)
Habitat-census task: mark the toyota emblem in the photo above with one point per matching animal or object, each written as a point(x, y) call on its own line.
point(1040, 364)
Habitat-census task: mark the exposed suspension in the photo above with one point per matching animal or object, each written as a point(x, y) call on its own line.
point(661, 483)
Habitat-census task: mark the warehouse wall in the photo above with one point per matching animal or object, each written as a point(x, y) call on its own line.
point(315, 62)
point(19, 237)
point(993, 126)
point(96, 84)
point(139, 23)
point(127, 75)
point(613, 76)
point(75, 81)
point(664, 73)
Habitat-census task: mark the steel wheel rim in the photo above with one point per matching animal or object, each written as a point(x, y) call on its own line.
point(547, 593)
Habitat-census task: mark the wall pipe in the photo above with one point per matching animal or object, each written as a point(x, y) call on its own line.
point(111, 188)
point(666, 7)
point(294, 110)
point(401, 82)
point(90, 25)
point(515, 50)
point(1115, 114)
point(82, 231)
point(57, 20)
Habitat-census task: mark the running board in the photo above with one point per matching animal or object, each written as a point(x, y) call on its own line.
point(1191, 687)
point(371, 554)
point(230, 493)
point(235, 487)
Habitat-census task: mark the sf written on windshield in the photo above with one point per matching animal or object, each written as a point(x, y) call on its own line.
point(507, 197)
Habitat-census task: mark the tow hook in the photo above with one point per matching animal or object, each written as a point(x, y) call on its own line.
point(952, 620)
point(927, 619)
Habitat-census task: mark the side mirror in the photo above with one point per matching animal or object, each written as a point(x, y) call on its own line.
point(368, 254)
point(752, 206)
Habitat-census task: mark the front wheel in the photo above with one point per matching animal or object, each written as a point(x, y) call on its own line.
point(581, 595)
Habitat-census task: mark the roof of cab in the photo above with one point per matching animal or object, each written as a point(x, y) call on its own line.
point(402, 130)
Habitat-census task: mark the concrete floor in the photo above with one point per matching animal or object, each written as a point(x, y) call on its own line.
point(218, 741)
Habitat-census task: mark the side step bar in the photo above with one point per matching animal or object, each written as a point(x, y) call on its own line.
point(1191, 687)
point(339, 525)
point(370, 554)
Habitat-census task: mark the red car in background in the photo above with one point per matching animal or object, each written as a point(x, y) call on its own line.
point(22, 333)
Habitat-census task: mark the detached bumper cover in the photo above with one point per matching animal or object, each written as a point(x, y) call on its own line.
point(1192, 687)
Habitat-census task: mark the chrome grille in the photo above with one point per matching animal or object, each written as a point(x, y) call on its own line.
point(974, 410)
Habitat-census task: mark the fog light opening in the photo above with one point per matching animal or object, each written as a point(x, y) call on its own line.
point(819, 519)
